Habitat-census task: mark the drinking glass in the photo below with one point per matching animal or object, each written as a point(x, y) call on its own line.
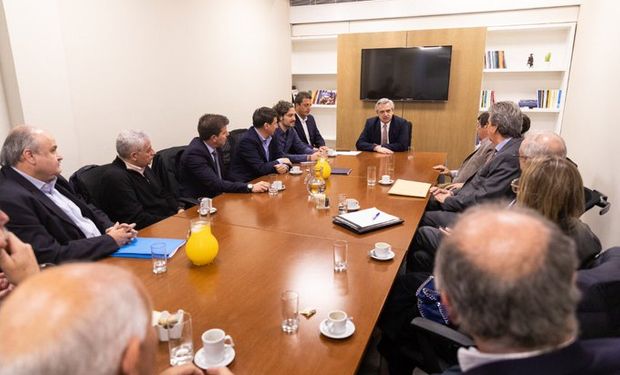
point(159, 255)
point(371, 175)
point(290, 311)
point(180, 344)
point(342, 204)
point(340, 255)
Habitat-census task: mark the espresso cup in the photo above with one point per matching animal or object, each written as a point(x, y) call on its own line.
point(214, 342)
point(337, 322)
point(295, 169)
point(385, 178)
point(382, 249)
point(352, 204)
point(277, 184)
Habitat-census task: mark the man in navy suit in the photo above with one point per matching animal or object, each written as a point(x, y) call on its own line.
point(201, 172)
point(293, 148)
point(258, 152)
point(305, 126)
point(385, 133)
point(507, 278)
point(44, 210)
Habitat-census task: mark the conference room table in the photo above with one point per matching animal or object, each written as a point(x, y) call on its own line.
point(269, 244)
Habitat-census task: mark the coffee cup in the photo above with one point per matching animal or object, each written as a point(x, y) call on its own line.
point(382, 249)
point(331, 152)
point(337, 322)
point(352, 204)
point(385, 178)
point(295, 169)
point(277, 184)
point(214, 342)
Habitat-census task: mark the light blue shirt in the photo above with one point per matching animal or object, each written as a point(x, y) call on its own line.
point(67, 206)
point(265, 142)
point(501, 145)
point(216, 163)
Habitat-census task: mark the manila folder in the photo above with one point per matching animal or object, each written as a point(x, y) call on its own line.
point(410, 188)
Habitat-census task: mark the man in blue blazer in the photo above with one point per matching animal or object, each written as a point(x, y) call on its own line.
point(258, 152)
point(201, 172)
point(293, 148)
point(305, 126)
point(385, 133)
point(43, 208)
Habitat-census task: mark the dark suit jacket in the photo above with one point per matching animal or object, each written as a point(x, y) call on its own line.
point(293, 148)
point(592, 357)
point(371, 135)
point(316, 140)
point(36, 220)
point(198, 176)
point(250, 161)
point(129, 197)
point(492, 181)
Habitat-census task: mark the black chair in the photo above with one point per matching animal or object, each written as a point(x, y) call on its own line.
point(86, 182)
point(410, 132)
point(596, 198)
point(166, 168)
point(230, 147)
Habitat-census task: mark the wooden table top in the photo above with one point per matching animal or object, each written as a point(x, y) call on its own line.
point(270, 244)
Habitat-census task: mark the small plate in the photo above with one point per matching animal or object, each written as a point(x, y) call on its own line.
point(348, 331)
point(282, 188)
point(211, 211)
point(385, 183)
point(200, 361)
point(353, 208)
point(373, 255)
point(296, 173)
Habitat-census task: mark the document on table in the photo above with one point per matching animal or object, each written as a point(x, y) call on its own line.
point(410, 188)
point(366, 220)
point(348, 153)
point(141, 247)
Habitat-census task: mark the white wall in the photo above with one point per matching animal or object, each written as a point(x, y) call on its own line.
point(590, 125)
point(89, 68)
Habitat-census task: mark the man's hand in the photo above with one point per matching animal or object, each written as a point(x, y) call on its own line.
point(281, 168)
point(441, 197)
point(17, 260)
point(122, 233)
point(5, 287)
point(442, 169)
point(316, 155)
point(455, 186)
point(383, 150)
point(219, 371)
point(187, 369)
point(260, 187)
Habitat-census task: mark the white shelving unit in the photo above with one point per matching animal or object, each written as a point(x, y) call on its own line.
point(518, 81)
point(314, 66)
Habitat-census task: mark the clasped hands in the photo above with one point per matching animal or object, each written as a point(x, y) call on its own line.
point(440, 194)
point(122, 233)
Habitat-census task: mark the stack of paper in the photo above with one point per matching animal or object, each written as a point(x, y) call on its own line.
point(141, 247)
point(410, 188)
point(366, 220)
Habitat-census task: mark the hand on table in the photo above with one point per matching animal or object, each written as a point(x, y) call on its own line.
point(260, 187)
point(383, 150)
point(442, 169)
point(219, 371)
point(122, 233)
point(187, 369)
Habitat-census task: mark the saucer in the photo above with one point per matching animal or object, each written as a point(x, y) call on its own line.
point(211, 211)
point(282, 188)
point(200, 361)
point(296, 173)
point(385, 183)
point(373, 255)
point(350, 328)
point(349, 208)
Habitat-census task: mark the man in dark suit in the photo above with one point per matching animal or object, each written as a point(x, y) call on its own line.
point(44, 210)
point(201, 172)
point(258, 152)
point(293, 148)
point(305, 126)
point(507, 278)
point(131, 192)
point(385, 133)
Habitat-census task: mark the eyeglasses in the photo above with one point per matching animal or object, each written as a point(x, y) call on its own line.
point(514, 185)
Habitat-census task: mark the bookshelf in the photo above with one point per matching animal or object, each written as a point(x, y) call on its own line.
point(313, 66)
point(518, 81)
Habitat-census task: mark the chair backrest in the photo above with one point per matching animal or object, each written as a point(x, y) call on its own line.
point(166, 167)
point(596, 198)
point(410, 132)
point(229, 149)
point(86, 182)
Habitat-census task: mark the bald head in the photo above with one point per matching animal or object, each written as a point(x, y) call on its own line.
point(507, 275)
point(541, 144)
point(57, 319)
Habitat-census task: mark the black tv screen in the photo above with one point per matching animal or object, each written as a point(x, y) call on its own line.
point(406, 74)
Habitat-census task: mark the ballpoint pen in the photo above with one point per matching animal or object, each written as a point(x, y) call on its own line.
point(376, 216)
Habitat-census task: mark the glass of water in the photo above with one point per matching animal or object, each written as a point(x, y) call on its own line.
point(371, 176)
point(340, 255)
point(180, 344)
point(160, 257)
point(290, 311)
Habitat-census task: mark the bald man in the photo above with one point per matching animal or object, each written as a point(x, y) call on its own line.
point(80, 319)
point(540, 144)
point(507, 278)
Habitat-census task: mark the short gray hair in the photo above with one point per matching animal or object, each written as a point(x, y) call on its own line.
point(514, 286)
point(543, 143)
point(383, 101)
point(508, 119)
point(92, 342)
point(20, 138)
point(129, 141)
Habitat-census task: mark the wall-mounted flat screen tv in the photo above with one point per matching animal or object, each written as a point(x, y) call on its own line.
point(406, 74)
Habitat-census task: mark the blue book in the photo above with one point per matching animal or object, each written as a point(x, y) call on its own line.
point(141, 247)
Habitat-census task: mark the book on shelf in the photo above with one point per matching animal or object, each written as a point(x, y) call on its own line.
point(366, 220)
point(325, 97)
point(494, 60)
point(487, 98)
point(549, 98)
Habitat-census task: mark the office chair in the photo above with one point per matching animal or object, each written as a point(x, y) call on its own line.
point(409, 125)
point(229, 149)
point(166, 168)
point(596, 198)
point(86, 182)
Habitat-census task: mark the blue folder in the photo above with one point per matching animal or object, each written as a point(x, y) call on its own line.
point(141, 247)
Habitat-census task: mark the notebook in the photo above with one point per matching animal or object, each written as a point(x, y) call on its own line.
point(366, 220)
point(141, 247)
point(345, 171)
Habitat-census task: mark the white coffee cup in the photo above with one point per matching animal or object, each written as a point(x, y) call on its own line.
point(295, 169)
point(352, 204)
point(214, 343)
point(277, 184)
point(385, 178)
point(337, 322)
point(331, 152)
point(382, 249)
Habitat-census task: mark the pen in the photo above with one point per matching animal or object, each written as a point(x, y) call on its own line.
point(376, 215)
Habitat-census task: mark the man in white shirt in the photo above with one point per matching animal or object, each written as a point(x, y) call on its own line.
point(305, 125)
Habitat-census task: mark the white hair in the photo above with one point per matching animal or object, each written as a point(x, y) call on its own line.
point(129, 141)
point(383, 101)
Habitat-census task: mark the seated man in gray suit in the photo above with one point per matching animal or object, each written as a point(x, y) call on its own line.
point(386, 133)
point(293, 148)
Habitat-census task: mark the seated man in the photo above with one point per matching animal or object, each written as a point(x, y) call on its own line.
point(44, 210)
point(493, 272)
point(258, 152)
point(293, 148)
point(89, 331)
point(305, 125)
point(385, 133)
point(131, 192)
point(201, 172)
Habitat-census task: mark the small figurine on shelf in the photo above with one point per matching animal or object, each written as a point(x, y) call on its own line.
point(530, 60)
point(548, 57)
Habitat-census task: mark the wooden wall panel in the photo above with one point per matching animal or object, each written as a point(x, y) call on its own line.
point(442, 126)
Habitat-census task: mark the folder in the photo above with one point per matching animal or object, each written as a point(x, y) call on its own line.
point(345, 171)
point(140, 247)
point(366, 220)
point(410, 188)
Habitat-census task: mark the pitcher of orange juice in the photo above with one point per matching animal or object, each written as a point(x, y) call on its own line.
point(202, 246)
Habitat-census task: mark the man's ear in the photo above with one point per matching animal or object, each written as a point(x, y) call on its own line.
point(28, 156)
point(130, 362)
point(445, 300)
